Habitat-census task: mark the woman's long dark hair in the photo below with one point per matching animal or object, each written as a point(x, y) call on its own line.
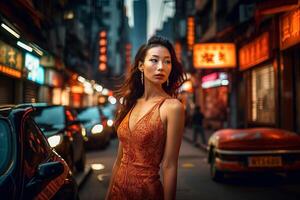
point(133, 88)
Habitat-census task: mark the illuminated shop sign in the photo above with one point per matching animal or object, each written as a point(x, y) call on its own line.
point(53, 78)
point(255, 52)
point(35, 71)
point(290, 29)
point(10, 71)
point(214, 55)
point(190, 32)
point(214, 80)
point(77, 89)
point(10, 60)
point(102, 51)
point(178, 50)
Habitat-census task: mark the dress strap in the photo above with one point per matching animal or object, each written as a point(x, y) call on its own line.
point(161, 102)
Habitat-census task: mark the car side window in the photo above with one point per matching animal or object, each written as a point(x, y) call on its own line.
point(5, 146)
point(36, 148)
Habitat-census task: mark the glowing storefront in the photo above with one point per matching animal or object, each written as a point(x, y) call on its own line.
point(11, 60)
point(289, 40)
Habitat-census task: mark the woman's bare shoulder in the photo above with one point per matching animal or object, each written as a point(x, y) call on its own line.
point(173, 106)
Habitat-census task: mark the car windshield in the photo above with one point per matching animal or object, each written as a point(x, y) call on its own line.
point(49, 118)
point(89, 114)
point(109, 111)
point(5, 146)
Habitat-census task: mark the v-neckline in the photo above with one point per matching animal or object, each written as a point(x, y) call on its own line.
point(138, 121)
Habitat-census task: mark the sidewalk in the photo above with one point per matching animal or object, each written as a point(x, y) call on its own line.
point(188, 136)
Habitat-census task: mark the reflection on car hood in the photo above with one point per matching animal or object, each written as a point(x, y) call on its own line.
point(256, 139)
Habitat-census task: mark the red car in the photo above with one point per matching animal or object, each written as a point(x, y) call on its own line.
point(253, 150)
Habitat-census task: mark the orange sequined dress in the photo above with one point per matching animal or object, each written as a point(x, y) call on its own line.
point(138, 175)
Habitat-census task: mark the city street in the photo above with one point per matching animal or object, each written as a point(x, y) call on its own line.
point(225, 74)
point(194, 180)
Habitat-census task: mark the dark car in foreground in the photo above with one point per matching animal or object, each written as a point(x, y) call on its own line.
point(95, 123)
point(266, 150)
point(29, 167)
point(63, 131)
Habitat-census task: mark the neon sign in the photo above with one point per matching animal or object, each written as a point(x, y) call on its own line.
point(214, 55)
point(35, 71)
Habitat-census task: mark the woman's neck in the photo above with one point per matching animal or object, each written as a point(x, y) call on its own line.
point(153, 91)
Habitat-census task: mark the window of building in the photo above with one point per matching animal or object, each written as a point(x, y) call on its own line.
point(263, 95)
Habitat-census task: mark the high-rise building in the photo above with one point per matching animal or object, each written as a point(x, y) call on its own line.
point(139, 31)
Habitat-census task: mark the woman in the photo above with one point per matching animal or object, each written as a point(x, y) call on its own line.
point(149, 125)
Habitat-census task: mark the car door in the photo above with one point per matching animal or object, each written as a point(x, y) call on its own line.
point(36, 151)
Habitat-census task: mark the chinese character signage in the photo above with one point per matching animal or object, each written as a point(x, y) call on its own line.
point(10, 56)
point(190, 32)
point(255, 52)
point(10, 60)
point(35, 71)
point(290, 29)
point(214, 55)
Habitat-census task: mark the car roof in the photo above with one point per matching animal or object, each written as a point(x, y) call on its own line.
point(5, 110)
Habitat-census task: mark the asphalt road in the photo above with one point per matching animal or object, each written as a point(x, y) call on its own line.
point(194, 181)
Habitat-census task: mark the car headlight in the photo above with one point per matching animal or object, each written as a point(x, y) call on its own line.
point(83, 131)
point(110, 122)
point(98, 128)
point(55, 140)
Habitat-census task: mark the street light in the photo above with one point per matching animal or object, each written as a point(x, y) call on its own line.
point(10, 30)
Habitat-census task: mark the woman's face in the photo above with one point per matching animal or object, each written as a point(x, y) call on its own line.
point(157, 65)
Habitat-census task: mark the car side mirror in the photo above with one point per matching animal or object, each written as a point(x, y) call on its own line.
point(50, 170)
point(45, 172)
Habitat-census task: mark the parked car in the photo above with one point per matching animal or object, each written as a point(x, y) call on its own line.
point(63, 131)
point(29, 167)
point(95, 123)
point(109, 111)
point(253, 150)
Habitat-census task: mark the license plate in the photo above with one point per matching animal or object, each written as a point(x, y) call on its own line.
point(264, 161)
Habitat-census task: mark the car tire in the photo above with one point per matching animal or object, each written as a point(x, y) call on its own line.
point(80, 165)
point(215, 174)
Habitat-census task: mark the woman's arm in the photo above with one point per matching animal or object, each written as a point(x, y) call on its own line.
point(175, 126)
point(115, 169)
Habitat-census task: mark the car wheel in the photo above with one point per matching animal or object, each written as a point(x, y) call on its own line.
point(80, 165)
point(215, 174)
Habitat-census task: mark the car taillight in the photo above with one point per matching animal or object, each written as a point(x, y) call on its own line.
point(104, 122)
point(68, 133)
